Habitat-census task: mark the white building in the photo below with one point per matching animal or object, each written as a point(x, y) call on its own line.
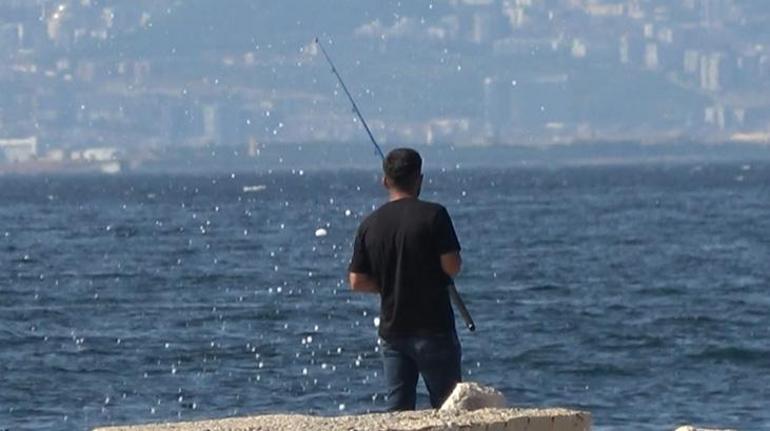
point(651, 60)
point(19, 150)
point(709, 72)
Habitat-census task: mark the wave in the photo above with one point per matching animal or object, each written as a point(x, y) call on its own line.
point(733, 354)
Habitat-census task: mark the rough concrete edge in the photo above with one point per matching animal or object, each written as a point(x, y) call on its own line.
point(426, 420)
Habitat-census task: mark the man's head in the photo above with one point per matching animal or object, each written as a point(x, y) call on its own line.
point(403, 171)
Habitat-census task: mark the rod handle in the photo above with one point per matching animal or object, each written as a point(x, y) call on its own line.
point(454, 295)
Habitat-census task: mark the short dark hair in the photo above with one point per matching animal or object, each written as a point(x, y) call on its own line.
point(403, 167)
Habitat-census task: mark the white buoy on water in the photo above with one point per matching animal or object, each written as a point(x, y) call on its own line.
point(321, 232)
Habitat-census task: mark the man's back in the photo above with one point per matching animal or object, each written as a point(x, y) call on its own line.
point(400, 245)
point(406, 252)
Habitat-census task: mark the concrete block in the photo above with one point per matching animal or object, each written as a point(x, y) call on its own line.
point(692, 428)
point(427, 420)
point(473, 396)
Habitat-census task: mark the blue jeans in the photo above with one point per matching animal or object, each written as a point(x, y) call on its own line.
point(435, 357)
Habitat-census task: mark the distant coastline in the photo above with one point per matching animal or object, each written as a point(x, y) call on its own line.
point(335, 156)
point(332, 156)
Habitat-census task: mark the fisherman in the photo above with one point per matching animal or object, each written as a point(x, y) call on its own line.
point(407, 252)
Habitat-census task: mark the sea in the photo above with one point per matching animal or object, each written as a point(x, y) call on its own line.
point(636, 292)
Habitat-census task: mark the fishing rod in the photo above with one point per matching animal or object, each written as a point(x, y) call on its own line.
point(350, 97)
point(453, 293)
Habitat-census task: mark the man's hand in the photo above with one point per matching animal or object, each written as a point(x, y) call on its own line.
point(363, 283)
point(451, 263)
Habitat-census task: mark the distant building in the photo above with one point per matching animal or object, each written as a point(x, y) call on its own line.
point(691, 61)
point(625, 50)
point(709, 72)
point(579, 48)
point(715, 116)
point(666, 35)
point(500, 96)
point(211, 121)
point(649, 31)
point(651, 60)
point(635, 10)
point(601, 9)
point(99, 154)
point(714, 12)
point(516, 16)
point(19, 150)
point(11, 36)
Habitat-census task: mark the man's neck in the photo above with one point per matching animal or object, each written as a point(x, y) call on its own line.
point(395, 195)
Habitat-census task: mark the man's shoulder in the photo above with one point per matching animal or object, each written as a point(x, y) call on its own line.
point(431, 208)
point(388, 210)
point(435, 206)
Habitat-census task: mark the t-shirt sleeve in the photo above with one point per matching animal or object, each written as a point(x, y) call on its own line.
point(359, 263)
point(446, 238)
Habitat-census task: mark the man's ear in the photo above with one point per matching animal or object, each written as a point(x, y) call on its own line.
point(385, 182)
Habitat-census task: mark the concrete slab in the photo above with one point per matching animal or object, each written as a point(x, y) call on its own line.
point(692, 428)
point(427, 420)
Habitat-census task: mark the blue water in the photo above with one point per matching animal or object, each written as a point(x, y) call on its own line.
point(637, 293)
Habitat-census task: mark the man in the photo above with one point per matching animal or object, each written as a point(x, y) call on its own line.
point(407, 252)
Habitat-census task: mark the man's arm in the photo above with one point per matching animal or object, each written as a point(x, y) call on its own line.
point(451, 263)
point(447, 244)
point(363, 283)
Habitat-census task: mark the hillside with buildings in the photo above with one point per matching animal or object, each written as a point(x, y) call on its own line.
point(143, 78)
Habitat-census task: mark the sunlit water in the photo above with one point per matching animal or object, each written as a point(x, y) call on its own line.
point(639, 294)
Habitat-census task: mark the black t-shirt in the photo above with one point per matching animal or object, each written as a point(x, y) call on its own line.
point(400, 245)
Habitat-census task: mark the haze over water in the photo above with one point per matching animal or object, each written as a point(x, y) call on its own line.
point(637, 293)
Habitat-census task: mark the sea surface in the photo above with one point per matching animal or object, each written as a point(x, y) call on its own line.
point(639, 293)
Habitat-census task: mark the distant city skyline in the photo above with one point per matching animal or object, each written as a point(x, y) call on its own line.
point(135, 78)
